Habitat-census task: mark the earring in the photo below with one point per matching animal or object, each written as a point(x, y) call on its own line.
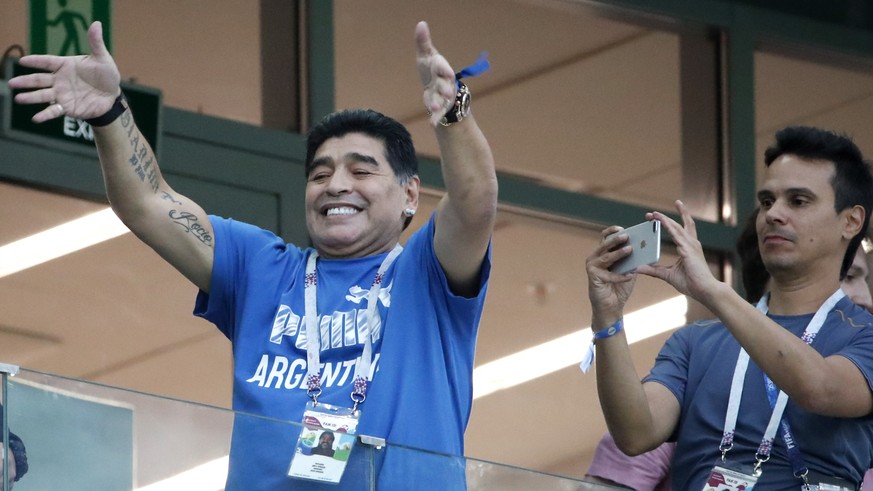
point(409, 212)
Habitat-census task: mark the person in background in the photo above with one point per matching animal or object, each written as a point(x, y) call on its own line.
point(855, 283)
point(649, 471)
point(17, 460)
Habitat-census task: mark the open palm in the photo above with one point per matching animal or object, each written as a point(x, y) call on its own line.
point(81, 87)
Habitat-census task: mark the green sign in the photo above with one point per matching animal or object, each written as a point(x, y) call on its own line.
point(145, 103)
point(60, 27)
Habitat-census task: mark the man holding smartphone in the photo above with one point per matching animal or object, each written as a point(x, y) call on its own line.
point(776, 396)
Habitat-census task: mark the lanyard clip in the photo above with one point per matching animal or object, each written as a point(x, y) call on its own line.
point(313, 387)
point(724, 450)
point(359, 392)
point(759, 461)
point(805, 476)
point(358, 398)
point(314, 396)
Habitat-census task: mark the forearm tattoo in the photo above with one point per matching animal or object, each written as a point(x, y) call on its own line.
point(141, 159)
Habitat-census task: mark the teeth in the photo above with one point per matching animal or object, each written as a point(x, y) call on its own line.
point(345, 210)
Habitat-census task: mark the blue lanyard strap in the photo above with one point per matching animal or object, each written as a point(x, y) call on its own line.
point(481, 65)
point(798, 465)
point(778, 399)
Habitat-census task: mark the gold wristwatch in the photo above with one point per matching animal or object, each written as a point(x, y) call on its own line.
point(460, 109)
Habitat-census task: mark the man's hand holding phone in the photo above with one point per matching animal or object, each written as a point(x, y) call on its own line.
point(645, 241)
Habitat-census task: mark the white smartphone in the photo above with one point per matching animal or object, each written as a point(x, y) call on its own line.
point(645, 238)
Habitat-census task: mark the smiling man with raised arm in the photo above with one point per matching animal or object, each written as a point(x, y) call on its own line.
point(761, 394)
point(356, 321)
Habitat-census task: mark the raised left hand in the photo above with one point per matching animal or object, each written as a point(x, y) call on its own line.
point(437, 76)
point(690, 274)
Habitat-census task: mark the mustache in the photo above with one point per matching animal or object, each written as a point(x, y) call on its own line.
point(777, 232)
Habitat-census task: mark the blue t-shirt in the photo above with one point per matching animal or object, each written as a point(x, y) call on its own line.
point(697, 364)
point(421, 391)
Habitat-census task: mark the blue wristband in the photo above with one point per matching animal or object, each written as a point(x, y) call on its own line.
point(610, 331)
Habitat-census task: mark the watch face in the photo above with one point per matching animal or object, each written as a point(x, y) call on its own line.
point(461, 108)
point(464, 106)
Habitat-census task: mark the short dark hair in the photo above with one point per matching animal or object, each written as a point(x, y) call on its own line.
point(399, 150)
point(754, 274)
point(852, 182)
point(19, 453)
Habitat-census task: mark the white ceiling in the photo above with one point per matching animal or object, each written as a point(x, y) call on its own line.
point(574, 99)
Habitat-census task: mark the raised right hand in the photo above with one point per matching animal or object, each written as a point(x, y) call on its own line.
point(608, 291)
point(81, 87)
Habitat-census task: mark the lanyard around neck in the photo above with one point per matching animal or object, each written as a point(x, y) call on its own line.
point(313, 336)
point(736, 394)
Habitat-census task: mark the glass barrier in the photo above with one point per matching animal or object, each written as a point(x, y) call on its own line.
point(85, 436)
point(7, 471)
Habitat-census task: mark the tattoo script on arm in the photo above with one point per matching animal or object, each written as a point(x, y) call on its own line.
point(141, 159)
point(191, 224)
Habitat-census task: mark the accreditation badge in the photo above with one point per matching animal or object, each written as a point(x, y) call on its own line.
point(325, 443)
point(818, 482)
point(823, 486)
point(728, 477)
